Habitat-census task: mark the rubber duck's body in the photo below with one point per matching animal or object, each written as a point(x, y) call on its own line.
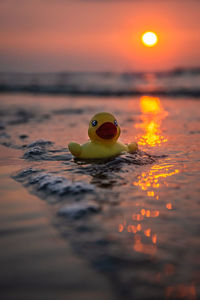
point(104, 133)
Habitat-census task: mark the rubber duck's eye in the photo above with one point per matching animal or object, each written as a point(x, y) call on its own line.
point(94, 123)
point(115, 122)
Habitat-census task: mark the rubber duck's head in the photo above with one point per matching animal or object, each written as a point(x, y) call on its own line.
point(104, 128)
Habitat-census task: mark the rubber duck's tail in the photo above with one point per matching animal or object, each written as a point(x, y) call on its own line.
point(75, 149)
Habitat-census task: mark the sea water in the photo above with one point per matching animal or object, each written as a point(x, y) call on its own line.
point(132, 220)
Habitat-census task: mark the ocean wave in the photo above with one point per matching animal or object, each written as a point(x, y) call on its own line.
point(176, 83)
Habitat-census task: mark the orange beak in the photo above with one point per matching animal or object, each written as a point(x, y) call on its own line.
point(107, 131)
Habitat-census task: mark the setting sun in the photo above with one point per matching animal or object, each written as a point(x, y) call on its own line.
point(149, 39)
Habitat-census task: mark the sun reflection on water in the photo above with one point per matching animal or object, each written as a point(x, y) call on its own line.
point(152, 115)
point(150, 181)
point(146, 237)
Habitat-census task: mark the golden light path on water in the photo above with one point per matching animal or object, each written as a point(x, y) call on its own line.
point(152, 115)
point(151, 135)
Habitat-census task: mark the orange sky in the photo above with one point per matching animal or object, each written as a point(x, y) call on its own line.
point(97, 35)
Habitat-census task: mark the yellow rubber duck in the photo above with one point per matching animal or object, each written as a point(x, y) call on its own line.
point(104, 132)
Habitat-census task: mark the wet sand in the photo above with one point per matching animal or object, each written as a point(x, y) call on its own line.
point(125, 228)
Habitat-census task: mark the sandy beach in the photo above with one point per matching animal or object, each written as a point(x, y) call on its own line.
point(127, 228)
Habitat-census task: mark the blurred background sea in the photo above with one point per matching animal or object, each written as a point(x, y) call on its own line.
point(177, 83)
